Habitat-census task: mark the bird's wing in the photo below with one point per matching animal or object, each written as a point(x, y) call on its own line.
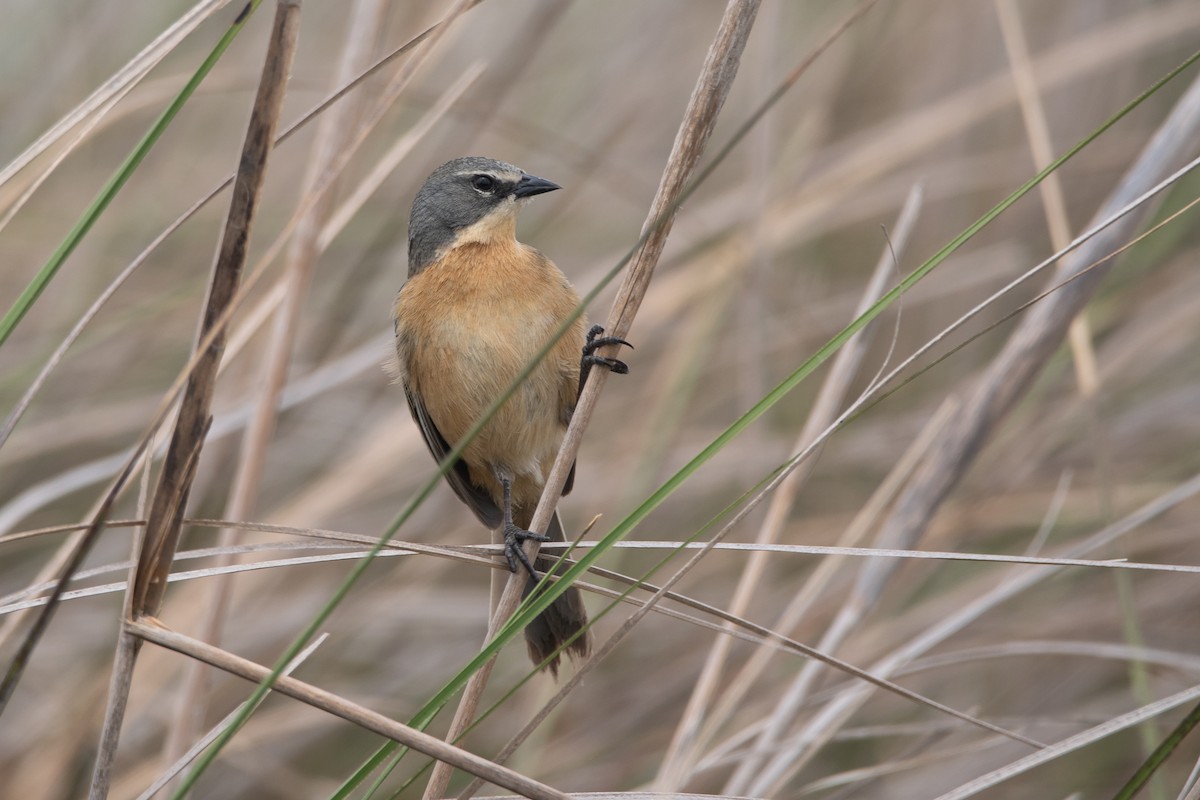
point(459, 478)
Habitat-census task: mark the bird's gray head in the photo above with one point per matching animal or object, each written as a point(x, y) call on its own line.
point(467, 199)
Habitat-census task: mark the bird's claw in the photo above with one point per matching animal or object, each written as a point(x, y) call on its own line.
point(514, 548)
point(595, 341)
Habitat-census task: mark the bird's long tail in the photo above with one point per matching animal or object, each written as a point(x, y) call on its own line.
point(565, 617)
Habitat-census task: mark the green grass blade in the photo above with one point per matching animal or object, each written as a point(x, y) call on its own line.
point(29, 296)
point(1160, 755)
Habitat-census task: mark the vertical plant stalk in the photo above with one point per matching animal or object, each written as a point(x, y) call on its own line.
point(170, 498)
point(1037, 131)
point(121, 680)
point(123, 662)
point(305, 247)
point(712, 87)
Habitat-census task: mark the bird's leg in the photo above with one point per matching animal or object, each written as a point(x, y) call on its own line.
point(516, 536)
point(589, 359)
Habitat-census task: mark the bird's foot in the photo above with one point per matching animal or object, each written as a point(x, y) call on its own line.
point(594, 342)
point(514, 547)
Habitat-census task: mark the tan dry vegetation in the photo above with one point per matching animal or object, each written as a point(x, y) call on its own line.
point(766, 262)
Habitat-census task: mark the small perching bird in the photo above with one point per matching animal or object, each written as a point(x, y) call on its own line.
point(477, 308)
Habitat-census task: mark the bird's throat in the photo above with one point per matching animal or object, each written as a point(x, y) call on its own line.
point(500, 226)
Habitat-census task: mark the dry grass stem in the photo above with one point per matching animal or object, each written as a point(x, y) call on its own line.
point(166, 511)
point(1037, 130)
point(1072, 743)
point(122, 81)
point(203, 742)
point(152, 630)
point(484, 555)
point(802, 746)
point(819, 581)
point(866, 676)
point(681, 755)
point(772, 741)
point(1037, 337)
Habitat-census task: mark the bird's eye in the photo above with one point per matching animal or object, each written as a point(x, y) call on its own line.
point(484, 183)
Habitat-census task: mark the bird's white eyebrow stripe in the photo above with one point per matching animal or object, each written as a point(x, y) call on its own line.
point(500, 176)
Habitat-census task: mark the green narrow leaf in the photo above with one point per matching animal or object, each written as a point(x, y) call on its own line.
point(1160, 755)
point(29, 296)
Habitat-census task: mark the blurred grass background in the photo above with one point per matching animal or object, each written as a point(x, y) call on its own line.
point(766, 262)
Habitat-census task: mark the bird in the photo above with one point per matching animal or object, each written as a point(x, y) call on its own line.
point(476, 308)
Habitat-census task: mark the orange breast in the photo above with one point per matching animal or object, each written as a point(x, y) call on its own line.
point(466, 327)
